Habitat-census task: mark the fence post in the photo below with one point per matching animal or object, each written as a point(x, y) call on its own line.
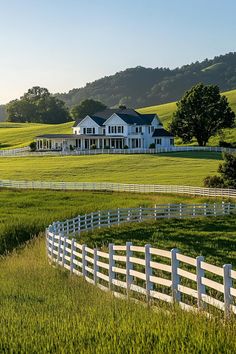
point(223, 207)
point(59, 249)
point(148, 272)
point(169, 212)
point(200, 273)
point(129, 267)
point(72, 256)
point(227, 285)
point(214, 207)
point(174, 275)
point(84, 262)
point(95, 265)
point(111, 264)
point(108, 219)
point(155, 211)
point(180, 211)
point(52, 246)
point(118, 216)
point(99, 219)
point(194, 210)
point(64, 251)
point(140, 214)
point(205, 209)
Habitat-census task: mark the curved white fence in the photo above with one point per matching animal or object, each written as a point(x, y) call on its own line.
point(151, 273)
point(121, 187)
point(26, 152)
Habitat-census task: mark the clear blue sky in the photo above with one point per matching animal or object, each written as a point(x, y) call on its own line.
point(63, 44)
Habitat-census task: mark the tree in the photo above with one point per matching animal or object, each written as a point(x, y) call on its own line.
point(87, 107)
point(201, 113)
point(39, 106)
point(227, 172)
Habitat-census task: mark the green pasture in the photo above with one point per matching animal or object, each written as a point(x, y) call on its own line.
point(25, 213)
point(45, 310)
point(180, 168)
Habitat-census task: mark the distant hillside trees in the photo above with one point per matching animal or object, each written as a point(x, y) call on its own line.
point(87, 107)
point(37, 106)
point(138, 87)
point(201, 113)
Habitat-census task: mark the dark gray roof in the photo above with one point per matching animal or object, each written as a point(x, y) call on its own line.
point(130, 116)
point(161, 132)
point(57, 136)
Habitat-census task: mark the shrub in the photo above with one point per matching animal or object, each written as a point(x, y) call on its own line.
point(126, 147)
point(152, 146)
point(93, 147)
point(33, 146)
point(228, 170)
point(214, 182)
point(107, 147)
point(72, 148)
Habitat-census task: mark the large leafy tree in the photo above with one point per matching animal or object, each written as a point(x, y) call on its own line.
point(202, 113)
point(87, 107)
point(39, 106)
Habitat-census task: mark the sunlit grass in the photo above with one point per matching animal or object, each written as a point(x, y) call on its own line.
point(182, 168)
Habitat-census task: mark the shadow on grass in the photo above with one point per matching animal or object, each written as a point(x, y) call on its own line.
point(204, 155)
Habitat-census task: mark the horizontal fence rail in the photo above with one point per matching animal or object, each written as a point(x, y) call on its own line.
point(144, 271)
point(120, 187)
point(25, 151)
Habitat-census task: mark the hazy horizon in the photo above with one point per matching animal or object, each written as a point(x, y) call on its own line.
point(63, 45)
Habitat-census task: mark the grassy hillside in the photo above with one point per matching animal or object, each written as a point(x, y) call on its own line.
point(13, 135)
point(45, 310)
point(165, 112)
point(187, 168)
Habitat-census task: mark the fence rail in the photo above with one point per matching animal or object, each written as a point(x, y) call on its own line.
point(121, 187)
point(25, 151)
point(151, 273)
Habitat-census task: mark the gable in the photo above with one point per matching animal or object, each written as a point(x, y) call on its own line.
point(115, 119)
point(87, 122)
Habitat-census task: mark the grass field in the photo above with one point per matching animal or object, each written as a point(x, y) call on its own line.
point(181, 168)
point(23, 214)
point(14, 135)
point(45, 310)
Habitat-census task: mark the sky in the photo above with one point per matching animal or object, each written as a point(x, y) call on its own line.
point(63, 44)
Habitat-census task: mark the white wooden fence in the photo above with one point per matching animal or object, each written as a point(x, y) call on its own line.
point(14, 152)
point(26, 152)
point(151, 273)
point(121, 187)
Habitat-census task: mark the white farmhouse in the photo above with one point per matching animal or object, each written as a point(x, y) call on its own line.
point(110, 129)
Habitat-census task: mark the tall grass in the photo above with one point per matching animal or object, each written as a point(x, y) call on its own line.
point(45, 310)
point(24, 213)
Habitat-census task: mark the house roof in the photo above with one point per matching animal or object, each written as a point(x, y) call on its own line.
point(128, 115)
point(161, 132)
point(57, 136)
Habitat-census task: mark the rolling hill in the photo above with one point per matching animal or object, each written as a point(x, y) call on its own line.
point(137, 87)
point(14, 135)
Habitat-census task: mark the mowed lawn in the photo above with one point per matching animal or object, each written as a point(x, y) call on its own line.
point(182, 168)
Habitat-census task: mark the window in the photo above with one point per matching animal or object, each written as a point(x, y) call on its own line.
point(172, 141)
point(136, 130)
point(89, 130)
point(109, 129)
point(149, 130)
point(152, 129)
point(93, 130)
point(119, 130)
point(158, 141)
point(84, 130)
